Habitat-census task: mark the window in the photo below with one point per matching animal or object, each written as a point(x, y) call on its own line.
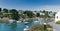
point(57, 17)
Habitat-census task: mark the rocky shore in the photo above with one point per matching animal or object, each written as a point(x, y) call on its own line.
point(5, 19)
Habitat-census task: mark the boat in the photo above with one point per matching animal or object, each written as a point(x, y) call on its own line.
point(18, 21)
point(27, 28)
point(26, 22)
point(11, 21)
point(36, 21)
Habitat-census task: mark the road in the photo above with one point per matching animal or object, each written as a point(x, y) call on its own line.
point(56, 27)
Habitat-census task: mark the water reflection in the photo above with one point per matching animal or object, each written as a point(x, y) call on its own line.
point(13, 26)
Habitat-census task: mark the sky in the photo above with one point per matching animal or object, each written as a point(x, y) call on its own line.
point(49, 5)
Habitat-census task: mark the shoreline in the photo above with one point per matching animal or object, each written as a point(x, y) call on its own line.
point(6, 19)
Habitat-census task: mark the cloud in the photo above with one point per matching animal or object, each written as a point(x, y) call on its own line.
point(55, 8)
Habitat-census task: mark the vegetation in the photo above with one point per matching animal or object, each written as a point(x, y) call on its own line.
point(21, 15)
point(1, 14)
point(14, 14)
point(38, 14)
point(0, 9)
point(5, 10)
point(29, 13)
point(41, 28)
point(58, 22)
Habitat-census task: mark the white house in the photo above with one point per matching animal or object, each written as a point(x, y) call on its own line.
point(34, 12)
point(57, 16)
point(41, 13)
point(38, 12)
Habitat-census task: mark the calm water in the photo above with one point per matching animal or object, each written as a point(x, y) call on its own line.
point(17, 26)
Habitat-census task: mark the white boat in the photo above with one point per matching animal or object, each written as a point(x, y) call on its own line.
point(36, 21)
point(26, 22)
point(27, 28)
point(18, 21)
point(11, 20)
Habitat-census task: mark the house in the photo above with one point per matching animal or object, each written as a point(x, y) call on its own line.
point(34, 12)
point(51, 14)
point(20, 11)
point(57, 17)
point(41, 13)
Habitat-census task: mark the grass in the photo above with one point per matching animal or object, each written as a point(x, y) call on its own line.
point(40, 28)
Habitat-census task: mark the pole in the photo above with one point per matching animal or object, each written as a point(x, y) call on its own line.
point(45, 28)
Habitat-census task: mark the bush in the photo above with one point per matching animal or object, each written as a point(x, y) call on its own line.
point(41, 28)
point(58, 22)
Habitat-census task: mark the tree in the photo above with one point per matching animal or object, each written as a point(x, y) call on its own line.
point(54, 14)
point(5, 10)
point(29, 13)
point(21, 15)
point(1, 14)
point(14, 14)
point(50, 12)
point(0, 9)
point(35, 11)
point(43, 11)
point(38, 14)
point(46, 14)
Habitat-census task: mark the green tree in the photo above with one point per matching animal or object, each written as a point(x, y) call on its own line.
point(29, 13)
point(5, 10)
point(14, 14)
point(1, 14)
point(0, 9)
point(46, 14)
point(38, 14)
point(54, 14)
point(21, 15)
point(35, 11)
point(43, 11)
